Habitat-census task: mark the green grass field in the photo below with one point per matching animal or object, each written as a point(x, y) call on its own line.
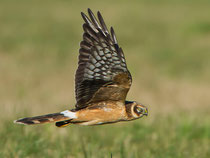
point(167, 47)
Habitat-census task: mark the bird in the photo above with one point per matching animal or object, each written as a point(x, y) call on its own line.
point(102, 81)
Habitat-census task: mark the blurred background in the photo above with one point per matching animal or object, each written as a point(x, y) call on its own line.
point(167, 47)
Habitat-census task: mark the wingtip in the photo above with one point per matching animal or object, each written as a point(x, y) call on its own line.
point(85, 18)
point(112, 31)
point(82, 14)
point(98, 13)
point(90, 13)
point(101, 20)
point(89, 10)
point(113, 35)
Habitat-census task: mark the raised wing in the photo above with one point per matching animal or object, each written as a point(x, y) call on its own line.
point(102, 74)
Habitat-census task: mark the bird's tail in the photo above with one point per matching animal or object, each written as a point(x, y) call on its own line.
point(56, 117)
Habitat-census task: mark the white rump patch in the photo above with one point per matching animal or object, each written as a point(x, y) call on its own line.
point(69, 114)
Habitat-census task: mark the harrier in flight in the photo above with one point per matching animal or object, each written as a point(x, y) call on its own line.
point(101, 84)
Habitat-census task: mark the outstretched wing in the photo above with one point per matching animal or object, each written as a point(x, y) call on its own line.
point(102, 74)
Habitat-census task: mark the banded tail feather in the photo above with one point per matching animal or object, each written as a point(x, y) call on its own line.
point(55, 117)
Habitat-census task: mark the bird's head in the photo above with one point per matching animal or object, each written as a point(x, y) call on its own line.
point(135, 110)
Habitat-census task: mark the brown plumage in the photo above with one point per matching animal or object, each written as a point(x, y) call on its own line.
point(102, 81)
point(102, 73)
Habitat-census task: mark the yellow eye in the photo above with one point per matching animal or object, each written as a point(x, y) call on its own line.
point(139, 110)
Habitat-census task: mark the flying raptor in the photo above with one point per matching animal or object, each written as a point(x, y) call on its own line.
point(101, 84)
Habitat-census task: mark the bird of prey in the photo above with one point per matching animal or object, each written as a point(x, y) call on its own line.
point(101, 84)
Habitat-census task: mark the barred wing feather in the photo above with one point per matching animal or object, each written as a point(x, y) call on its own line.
point(102, 73)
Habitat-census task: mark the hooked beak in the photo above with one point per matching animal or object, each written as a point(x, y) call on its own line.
point(146, 112)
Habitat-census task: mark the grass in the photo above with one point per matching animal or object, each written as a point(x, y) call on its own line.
point(163, 137)
point(166, 44)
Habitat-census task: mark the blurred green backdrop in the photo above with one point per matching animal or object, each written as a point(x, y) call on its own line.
point(167, 47)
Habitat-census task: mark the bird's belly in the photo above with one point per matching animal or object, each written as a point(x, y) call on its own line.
point(100, 116)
